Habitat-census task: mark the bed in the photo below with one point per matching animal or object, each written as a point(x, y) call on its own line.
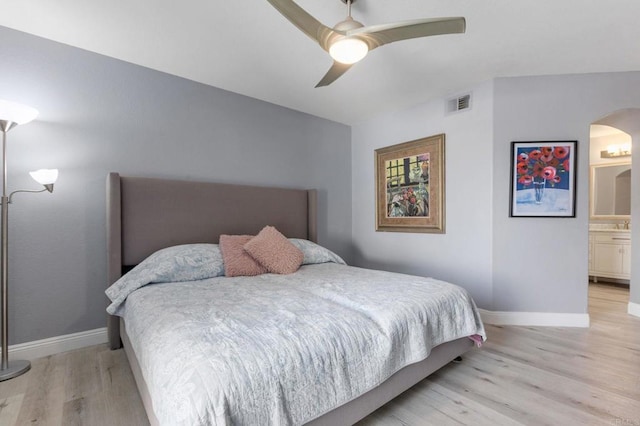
point(145, 215)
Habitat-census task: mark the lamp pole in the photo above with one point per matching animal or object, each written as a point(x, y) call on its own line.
point(11, 115)
point(8, 370)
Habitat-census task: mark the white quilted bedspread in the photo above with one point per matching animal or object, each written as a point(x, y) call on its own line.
point(284, 349)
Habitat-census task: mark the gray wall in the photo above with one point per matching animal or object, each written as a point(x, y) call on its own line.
point(463, 254)
point(508, 264)
point(99, 115)
point(540, 265)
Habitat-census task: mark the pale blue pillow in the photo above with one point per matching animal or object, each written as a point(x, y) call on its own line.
point(188, 262)
point(314, 253)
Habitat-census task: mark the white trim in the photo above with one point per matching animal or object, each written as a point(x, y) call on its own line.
point(539, 319)
point(634, 309)
point(54, 345)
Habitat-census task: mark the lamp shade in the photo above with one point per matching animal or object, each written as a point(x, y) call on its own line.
point(16, 113)
point(348, 50)
point(45, 176)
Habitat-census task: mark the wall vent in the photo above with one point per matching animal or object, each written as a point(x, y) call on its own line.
point(459, 103)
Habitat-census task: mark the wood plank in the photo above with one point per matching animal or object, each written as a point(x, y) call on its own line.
point(530, 406)
point(42, 404)
point(572, 392)
point(14, 386)
point(457, 407)
point(567, 364)
point(583, 351)
point(121, 397)
point(10, 408)
point(83, 376)
point(87, 410)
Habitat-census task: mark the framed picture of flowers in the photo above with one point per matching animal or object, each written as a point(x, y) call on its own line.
point(410, 186)
point(543, 179)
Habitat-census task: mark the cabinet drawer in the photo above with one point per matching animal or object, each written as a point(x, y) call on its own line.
point(617, 238)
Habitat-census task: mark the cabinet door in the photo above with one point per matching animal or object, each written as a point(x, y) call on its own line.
point(626, 259)
point(591, 265)
point(606, 258)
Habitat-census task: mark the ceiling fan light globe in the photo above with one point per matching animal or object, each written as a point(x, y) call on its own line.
point(348, 50)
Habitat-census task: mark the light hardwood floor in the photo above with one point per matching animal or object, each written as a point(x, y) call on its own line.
point(522, 375)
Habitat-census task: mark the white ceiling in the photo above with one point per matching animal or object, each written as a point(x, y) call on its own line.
point(247, 47)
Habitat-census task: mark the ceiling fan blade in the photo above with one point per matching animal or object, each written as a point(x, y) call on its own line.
point(301, 19)
point(336, 70)
point(377, 35)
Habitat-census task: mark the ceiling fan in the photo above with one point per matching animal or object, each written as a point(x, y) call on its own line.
point(349, 41)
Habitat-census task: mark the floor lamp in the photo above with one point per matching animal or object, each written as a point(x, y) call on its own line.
point(12, 115)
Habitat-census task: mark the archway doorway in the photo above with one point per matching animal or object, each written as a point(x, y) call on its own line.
point(612, 244)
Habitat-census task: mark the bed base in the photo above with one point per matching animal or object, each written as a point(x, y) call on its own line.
point(352, 411)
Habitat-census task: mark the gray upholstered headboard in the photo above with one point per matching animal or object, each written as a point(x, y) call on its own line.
point(146, 214)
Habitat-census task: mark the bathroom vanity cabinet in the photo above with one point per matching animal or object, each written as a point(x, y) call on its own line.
point(610, 254)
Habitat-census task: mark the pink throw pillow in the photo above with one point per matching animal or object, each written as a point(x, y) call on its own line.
point(236, 261)
point(274, 251)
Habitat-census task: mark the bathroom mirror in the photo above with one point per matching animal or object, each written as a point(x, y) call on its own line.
point(611, 191)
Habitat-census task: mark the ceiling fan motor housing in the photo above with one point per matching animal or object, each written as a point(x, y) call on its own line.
point(348, 24)
point(330, 37)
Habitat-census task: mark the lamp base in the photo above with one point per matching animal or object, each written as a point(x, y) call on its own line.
point(15, 369)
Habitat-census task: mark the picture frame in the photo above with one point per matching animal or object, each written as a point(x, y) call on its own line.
point(543, 179)
point(410, 186)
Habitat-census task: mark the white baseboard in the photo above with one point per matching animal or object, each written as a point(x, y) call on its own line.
point(54, 345)
point(536, 319)
point(634, 309)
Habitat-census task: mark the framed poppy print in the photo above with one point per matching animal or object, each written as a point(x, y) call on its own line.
point(543, 179)
point(410, 186)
